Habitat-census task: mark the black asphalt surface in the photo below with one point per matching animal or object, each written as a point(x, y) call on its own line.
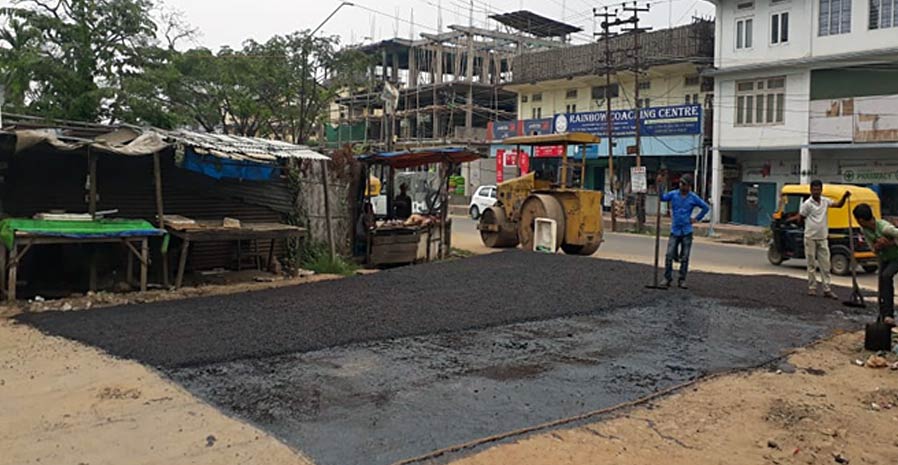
point(474, 293)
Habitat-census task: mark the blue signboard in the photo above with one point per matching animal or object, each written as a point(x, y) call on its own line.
point(537, 127)
point(674, 120)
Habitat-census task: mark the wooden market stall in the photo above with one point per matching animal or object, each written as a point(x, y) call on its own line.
point(422, 237)
point(69, 190)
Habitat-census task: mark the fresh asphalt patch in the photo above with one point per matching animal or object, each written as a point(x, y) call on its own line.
point(375, 368)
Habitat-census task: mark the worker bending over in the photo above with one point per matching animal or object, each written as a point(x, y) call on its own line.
point(883, 237)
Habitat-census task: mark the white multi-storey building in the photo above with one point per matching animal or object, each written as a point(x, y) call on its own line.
point(803, 89)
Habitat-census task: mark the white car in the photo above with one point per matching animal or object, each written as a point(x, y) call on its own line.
point(484, 197)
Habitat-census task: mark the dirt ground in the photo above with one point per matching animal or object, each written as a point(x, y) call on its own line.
point(829, 410)
point(64, 403)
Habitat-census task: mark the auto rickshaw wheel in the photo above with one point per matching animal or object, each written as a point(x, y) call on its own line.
point(871, 268)
point(841, 264)
point(774, 256)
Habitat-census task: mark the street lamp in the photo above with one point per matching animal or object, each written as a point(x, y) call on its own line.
point(305, 61)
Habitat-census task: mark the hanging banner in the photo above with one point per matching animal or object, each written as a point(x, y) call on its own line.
point(524, 162)
point(500, 165)
point(654, 121)
point(536, 127)
point(638, 180)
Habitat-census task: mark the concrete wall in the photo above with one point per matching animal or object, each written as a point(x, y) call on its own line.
point(668, 87)
point(792, 132)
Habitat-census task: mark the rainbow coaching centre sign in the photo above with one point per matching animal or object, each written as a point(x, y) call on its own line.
point(674, 120)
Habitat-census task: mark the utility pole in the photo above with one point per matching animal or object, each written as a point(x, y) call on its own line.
point(636, 31)
point(606, 38)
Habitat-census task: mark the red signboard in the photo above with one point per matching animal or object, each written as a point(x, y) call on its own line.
point(511, 158)
point(549, 151)
point(500, 166)
point(524, 162)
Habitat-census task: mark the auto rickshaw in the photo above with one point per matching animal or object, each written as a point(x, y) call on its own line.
point(788, 236)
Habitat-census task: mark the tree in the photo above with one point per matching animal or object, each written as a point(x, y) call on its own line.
point(65, 58)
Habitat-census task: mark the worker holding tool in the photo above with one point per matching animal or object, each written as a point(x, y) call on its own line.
point(682, 203)
point(883, 236)
point(815, 214)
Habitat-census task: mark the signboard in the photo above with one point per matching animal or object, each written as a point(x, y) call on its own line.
point(537, 127)
point(524, 162)
point(654, 121)
point(500, 167)
point(511, 158)
point(638, 181)
point(498, 130)
point(870, 175)
point(548, 151)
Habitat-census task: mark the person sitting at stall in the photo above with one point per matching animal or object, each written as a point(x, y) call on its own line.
point(363, 226)
point(402, 204)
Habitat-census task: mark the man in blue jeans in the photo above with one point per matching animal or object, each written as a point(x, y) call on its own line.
point(683, 203)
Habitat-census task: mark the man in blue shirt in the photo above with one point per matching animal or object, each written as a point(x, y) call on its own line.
point(682, 203)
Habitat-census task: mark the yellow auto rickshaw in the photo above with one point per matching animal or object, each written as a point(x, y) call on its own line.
point(788, 236)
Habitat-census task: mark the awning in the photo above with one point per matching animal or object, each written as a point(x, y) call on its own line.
point(132, 141)
point(419, 157)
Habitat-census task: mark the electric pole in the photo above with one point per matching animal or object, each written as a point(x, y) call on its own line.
point(606, 38)
point(635, 31)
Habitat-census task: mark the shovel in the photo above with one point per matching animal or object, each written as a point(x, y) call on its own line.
point(856, 299)
point(878, 336)
point(655, 285)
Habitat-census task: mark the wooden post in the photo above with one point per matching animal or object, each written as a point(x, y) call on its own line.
point(13, 265)
point(327, 211)
point(157, 175)
point(144, 262)
point(564, 166)
point(182, 261)
point(583, 167)
point(3, 261)
point(92, 209)
point(129, 272)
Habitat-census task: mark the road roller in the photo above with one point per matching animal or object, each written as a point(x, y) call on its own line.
point(547, 193)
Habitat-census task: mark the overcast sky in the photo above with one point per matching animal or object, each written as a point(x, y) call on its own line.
point(230, 22)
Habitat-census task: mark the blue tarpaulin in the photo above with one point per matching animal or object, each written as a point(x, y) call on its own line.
point(223, 168)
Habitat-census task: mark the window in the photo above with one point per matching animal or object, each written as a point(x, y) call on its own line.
point(883, 14)
point(760, 102)
point(743, 33)
point(645, 85)
point(570, 94)
point(692, 99)
point(598, 92)
point(537, 97)
point(779, 28)
point(523, 99)
point(692, 81)
point(835, 17)
point(643, 103)
point(571, 108)
point(536, 113)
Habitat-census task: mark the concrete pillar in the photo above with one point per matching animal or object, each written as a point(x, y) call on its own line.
point(806, 166)
point(716, 185)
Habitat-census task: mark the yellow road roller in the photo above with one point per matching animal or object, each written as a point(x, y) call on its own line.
point(546, 194)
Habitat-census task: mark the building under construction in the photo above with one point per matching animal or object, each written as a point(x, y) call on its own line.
point(441, 88)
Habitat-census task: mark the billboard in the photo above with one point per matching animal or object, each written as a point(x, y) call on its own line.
point(673, 120)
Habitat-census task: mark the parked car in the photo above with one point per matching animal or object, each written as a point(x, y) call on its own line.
point(484, 197)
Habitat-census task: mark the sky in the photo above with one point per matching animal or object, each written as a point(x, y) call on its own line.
point(230, 22)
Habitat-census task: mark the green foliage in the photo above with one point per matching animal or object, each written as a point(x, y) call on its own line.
point(66, 59)
point(119, 61)
point(315, 256)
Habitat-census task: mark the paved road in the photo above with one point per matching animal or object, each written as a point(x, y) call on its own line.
point(706, 254)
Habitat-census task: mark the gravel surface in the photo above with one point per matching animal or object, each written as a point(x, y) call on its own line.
point(479, 292)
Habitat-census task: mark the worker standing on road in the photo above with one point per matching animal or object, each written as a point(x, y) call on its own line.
point(815, 213)
point(683, 203)
point(883, 236)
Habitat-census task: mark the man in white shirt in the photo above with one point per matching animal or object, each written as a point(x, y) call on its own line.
point(815, 213)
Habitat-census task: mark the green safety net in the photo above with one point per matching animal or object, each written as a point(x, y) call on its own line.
point(79, 229)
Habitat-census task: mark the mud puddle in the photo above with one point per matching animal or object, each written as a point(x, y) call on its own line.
point(378, 402)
